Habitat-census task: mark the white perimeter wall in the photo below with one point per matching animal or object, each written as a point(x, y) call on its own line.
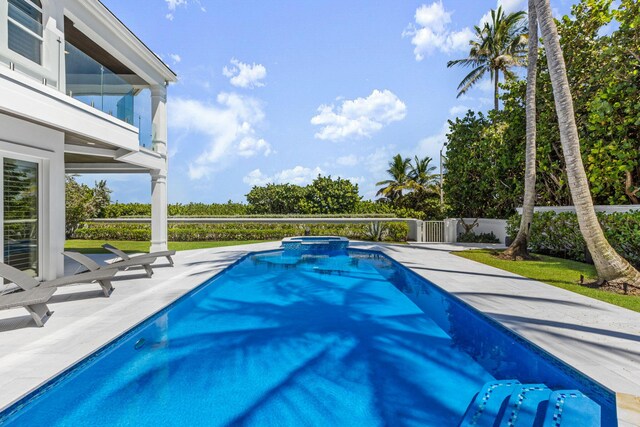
point(486, 225)
point(31, 142)
point(599, 208)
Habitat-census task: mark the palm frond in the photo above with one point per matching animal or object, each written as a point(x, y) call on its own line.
point(471, 79)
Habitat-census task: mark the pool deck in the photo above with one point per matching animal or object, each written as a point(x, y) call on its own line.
point(599, 339)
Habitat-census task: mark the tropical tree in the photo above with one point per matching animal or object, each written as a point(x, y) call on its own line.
point(611, 267)
point(326, 195)
point(422, 175)
point(498, 46)
point(83, 202)
point(400, 180)
point(519, 247)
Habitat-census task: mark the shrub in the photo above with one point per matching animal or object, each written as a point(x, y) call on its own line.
point(123, 210)
point(558, 234)
point(361, 209)
point(191, 232)
point(472, 237)
point(83, 202)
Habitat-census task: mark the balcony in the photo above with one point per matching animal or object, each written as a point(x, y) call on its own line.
point(94, 84)
point(97, 79)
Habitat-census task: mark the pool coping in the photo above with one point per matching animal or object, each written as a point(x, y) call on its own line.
point(194, 268)
point(627, 403)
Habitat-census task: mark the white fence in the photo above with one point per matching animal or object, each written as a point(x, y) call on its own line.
point(486, 225)
point(434, 231)
point(598, 208)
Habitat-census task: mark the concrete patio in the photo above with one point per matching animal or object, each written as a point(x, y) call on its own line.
point(599, 339)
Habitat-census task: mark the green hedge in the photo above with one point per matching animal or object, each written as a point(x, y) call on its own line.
point(181, 232)
point(472, 237)
point(119, 210)
point(558, 234)
point(363, 209)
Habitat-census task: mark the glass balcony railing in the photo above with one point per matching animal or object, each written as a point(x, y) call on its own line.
point(85, 79)
point(92, 83)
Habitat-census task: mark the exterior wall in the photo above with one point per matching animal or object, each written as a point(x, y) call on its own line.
point(416, 230)
point(94, 20)
point(24, 97)
point(451, 230)
point(36, 114)
point(486, 225)
point(46, 146)
point(599, 208)
point(52, 53)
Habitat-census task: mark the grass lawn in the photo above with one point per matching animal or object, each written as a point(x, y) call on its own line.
point(95, 246)
point(554, 271)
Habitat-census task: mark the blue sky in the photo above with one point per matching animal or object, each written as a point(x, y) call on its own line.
point(279, 91)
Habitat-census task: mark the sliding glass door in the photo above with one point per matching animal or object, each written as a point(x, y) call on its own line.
point(21, 214)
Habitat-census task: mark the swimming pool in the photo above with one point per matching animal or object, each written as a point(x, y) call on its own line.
point(352, 339)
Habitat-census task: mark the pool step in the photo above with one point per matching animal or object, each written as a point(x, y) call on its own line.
point(508, 403)
point(526, 406)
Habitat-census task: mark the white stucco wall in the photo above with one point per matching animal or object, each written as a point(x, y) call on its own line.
point(598, 208)
point(28, 141)
point(486, 225)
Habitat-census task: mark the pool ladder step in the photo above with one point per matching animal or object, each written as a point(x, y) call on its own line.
point(508, 403)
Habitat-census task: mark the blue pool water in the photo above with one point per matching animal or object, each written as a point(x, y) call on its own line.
point(354, 339)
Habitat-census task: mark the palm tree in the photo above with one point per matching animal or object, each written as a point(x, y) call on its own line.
point(611, 267)
point(422, 176)
point(518, 248)
point(498, 46)
point(400, 180)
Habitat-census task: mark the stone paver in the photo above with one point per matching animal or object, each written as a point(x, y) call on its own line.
point(599, 339)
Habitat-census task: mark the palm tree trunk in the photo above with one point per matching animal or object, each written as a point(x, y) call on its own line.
point(610, 266)
point(518, 248)
point(496, 89)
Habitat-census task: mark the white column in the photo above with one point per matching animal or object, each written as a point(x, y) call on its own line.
point(158, 211)
point(159, 177)
point(159, 118)
point(451, 230)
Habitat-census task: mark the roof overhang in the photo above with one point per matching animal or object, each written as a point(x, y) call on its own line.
point(97, 22)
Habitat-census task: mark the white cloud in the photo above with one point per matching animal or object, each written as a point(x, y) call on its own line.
point(244, 75)
point(482, 100)
point(360, 117)
point(378, 161)
point(509, 6)
point(355, 179)
point(298, 175)
point(175, 58)
point(228, 128)
point(255, 177)
point(433, 16)
point(431, 145)
point(431, 32)
point(350, 160)
point(250, 147)
point(172, 5)
point(458, 109)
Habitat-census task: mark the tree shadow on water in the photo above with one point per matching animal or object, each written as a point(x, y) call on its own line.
point(311, 355)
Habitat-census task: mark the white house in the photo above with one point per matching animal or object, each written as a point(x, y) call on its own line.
point(79, 93)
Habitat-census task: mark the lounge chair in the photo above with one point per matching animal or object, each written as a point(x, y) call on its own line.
point(33, 300)
point(126, 257)
point(93, 266)
point(26, 282)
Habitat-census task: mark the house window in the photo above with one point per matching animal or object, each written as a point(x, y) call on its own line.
point(21, 209)
point(25, 28)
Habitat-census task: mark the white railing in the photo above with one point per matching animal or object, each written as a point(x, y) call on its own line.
point(434, 231)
